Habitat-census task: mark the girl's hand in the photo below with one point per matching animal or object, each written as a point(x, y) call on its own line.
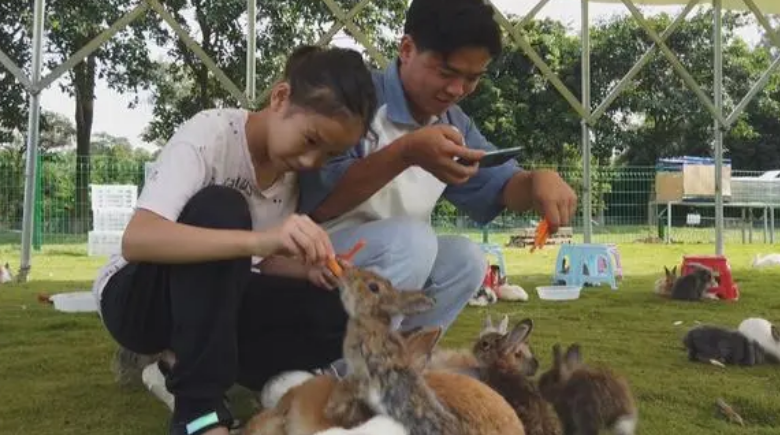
point(298, 237)
point(321, 276)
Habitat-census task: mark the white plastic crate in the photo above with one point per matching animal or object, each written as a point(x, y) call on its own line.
point(111, 219)
point(104, 243)
point(113, 195)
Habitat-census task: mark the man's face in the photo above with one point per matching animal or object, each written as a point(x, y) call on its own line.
point(432, 83)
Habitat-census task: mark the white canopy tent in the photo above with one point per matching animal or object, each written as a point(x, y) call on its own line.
point(767, 6)
point(35, 83)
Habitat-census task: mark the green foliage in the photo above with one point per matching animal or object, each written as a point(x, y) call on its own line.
point(183, 85)
point(14, 42)
point(515, 106)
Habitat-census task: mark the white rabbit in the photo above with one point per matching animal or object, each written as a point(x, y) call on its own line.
point(764, 333)
point(5, 274)
point(768, 260)
point(378, 425)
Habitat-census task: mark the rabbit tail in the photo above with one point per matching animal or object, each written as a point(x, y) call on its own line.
point(625, 425)
point(278, 386)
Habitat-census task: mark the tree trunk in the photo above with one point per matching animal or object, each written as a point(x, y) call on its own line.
point(84, 80)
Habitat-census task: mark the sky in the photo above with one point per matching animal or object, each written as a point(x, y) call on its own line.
point(112, 115)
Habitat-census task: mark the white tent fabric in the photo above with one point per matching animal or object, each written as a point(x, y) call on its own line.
point(766, 6)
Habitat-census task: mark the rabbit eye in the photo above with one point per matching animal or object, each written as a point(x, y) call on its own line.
point(485, 345)
point(374, 287)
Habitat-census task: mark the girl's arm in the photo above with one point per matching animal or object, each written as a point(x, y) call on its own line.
point(150, 237)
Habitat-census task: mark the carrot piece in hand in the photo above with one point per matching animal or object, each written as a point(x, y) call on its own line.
point(334, 266)
point(542, 232)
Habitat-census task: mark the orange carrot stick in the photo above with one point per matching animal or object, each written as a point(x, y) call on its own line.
point(352, 252)
point(542, 232)
point(334, 266)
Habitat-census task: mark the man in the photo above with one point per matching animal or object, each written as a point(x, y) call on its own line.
point(385, 189)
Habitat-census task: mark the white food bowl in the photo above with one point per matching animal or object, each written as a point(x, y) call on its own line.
point(75, 302)
point(559, 292)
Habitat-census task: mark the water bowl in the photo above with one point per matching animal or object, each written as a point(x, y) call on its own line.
point(74, 302)
point(559, 292)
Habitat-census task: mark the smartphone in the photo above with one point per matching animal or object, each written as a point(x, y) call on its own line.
point(495, 158)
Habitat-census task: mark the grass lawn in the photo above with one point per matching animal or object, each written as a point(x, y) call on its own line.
point(55, 373)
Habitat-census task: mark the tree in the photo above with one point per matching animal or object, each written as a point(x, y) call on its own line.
point(657, 115)
point(515, 105)
point(183, 85)
point(56, 135)
point(15, 42)
point(123, 62)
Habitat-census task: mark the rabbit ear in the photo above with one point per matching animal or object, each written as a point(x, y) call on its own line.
point(518, 336)
point(420, 345)
point(504, 325)
point(573, 355)
point(557, 357)
point(775, 333)
point(668, 272)
point(406, 302)
point(487, 324)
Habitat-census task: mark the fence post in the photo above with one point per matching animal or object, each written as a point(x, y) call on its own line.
point(38, 214)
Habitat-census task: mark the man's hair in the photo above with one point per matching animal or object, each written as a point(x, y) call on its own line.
point(331, 81)
point(445, 26)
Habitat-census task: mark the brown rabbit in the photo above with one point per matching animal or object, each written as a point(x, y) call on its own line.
point(372, 299)
point(434, 402)
point(386, 368)
point(463, 360)
point(586, 399)
point(663, 286)
point(301, 411)
point(506, 362)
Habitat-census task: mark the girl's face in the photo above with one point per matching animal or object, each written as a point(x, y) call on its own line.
point(300, 139)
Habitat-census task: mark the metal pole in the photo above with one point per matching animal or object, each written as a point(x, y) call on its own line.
point(251, 51)
point(587, 213)
point(37, 239)
point(33, 124)
point(718, 89)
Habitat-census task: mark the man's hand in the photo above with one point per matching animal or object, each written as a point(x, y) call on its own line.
point(434, 148)
point(552, 198)
point(543, 191)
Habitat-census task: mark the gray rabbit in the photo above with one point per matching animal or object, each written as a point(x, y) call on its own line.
point(712, 343)
point(694, 285)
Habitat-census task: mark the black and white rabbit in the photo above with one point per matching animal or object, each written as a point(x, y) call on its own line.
point(693, 286)
point(765, 334)
point(713, 345)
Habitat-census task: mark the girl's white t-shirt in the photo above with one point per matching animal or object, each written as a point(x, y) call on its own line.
point(208, 149)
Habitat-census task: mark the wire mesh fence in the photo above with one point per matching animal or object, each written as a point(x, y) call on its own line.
point(624, 211)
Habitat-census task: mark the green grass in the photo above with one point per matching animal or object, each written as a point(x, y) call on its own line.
point(55, 373)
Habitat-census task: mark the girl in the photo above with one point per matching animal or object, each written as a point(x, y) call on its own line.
point(217, 271)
